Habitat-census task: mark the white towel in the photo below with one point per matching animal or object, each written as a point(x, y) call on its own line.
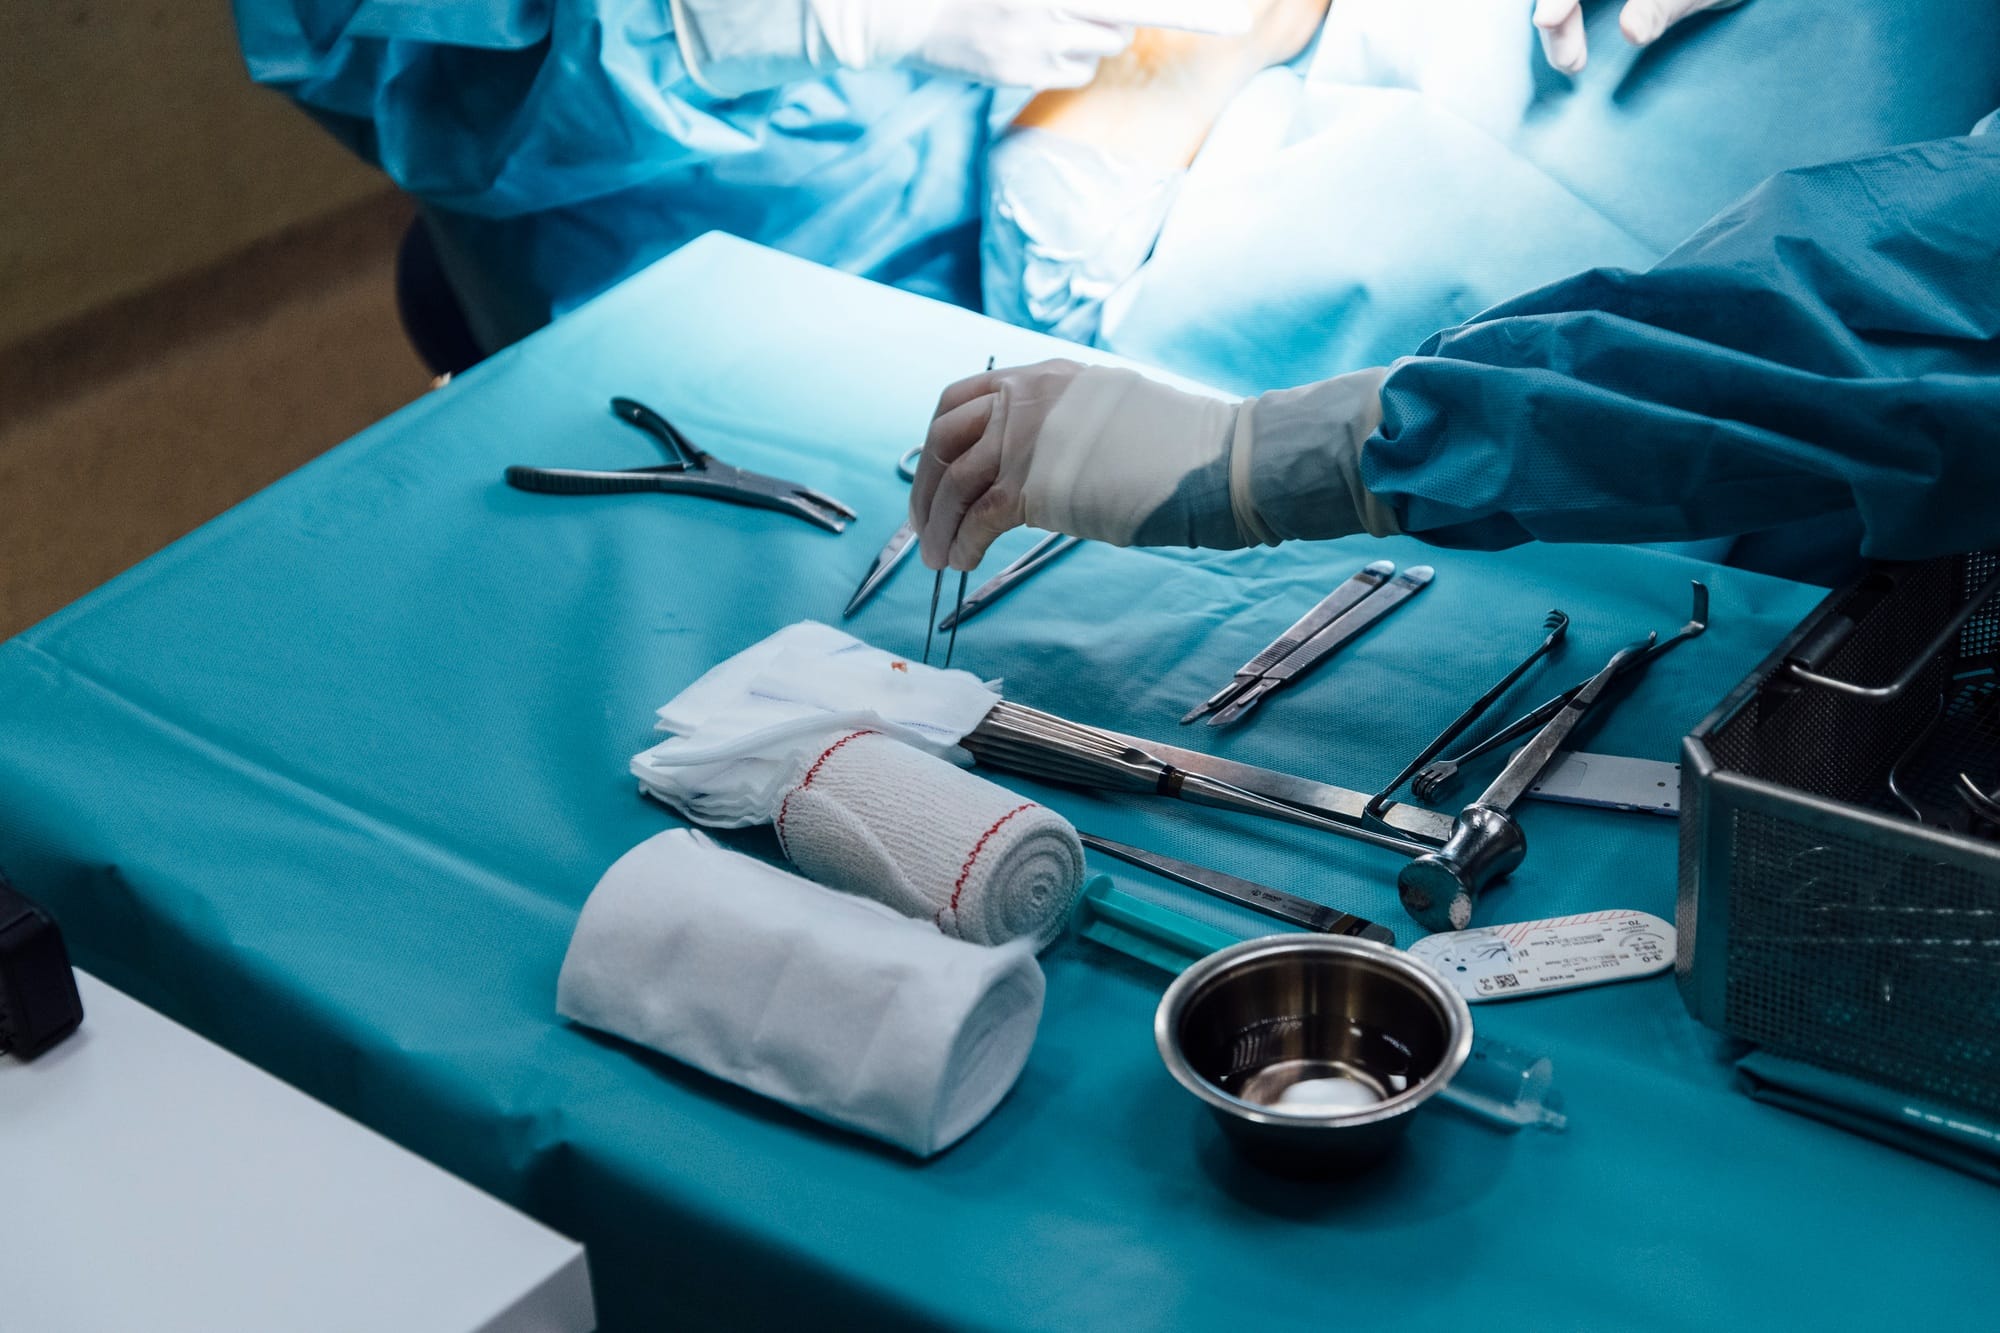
point(832, 1004)
point(875, 817)
point(745, 733)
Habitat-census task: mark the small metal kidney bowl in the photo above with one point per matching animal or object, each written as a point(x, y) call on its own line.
point(1313, 1051)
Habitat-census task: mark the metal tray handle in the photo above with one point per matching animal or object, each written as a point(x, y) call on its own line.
point(1823, 644)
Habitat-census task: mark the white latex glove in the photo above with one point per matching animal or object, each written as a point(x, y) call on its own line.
point(1121, 459)
point(1088, 450)
point(1110, 455)
point(1642, 22)
point(732, 47)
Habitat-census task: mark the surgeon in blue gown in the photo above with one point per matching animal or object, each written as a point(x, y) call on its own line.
point(1815, 373)
point(1425, 161)
point(558, 147)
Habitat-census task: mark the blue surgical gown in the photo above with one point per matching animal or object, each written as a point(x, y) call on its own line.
point(1384, 214)
point(1815, 372)
point(561, 146)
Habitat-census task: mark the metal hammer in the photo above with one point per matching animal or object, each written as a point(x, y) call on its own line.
point(1438, 888)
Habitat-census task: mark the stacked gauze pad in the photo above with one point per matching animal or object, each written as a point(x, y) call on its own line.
point(838, 1006)
point(847, 749)
point(745, 733)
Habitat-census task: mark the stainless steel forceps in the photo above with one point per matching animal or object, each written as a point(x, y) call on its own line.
point(903, 543)
point(690, 471)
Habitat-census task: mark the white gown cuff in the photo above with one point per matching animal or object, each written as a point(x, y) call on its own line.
point(734, 47)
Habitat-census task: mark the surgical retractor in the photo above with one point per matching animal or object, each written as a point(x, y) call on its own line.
point(1436, 776)
point(1438, 888)
point(1556, 627)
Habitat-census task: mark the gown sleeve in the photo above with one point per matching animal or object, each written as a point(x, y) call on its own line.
point(1828, 347)
point(499, 107)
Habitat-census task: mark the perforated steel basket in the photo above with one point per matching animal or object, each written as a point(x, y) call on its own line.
point(1825, 913)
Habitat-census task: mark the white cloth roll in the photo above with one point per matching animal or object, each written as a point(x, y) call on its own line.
point(840, 1007)
point(878, 818)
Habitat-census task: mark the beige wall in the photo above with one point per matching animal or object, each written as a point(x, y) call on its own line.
point(134, 148)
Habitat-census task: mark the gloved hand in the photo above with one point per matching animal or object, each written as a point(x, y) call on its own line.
point(1642, 22)
point(732, 47)
point(1110, 455)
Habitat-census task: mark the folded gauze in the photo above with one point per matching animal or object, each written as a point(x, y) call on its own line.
point(835, 1005)
point(875, 817)
point(745, 733)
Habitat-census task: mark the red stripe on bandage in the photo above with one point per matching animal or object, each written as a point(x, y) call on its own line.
point(807, 780)
point(965, 870)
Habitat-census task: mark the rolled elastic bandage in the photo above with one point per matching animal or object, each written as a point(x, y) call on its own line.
point(889, 822)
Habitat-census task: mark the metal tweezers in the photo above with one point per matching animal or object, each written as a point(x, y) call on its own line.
point(690, 471)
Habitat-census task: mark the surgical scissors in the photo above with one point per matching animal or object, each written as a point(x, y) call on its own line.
point(689, 471)
point(895, 551)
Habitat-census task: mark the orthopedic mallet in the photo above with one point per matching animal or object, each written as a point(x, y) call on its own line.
point(1438, 888)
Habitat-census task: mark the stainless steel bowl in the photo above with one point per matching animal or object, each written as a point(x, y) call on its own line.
point(1246, 1024)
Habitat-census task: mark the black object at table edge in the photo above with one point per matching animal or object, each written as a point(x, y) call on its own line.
point(39, 1005)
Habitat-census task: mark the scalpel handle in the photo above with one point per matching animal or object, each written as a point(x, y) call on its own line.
point(1331, 608)
point(1350, 594)
point(1322, 645)
point(1245, 893)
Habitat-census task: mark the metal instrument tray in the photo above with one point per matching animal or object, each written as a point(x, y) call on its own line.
point(1820, 914)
